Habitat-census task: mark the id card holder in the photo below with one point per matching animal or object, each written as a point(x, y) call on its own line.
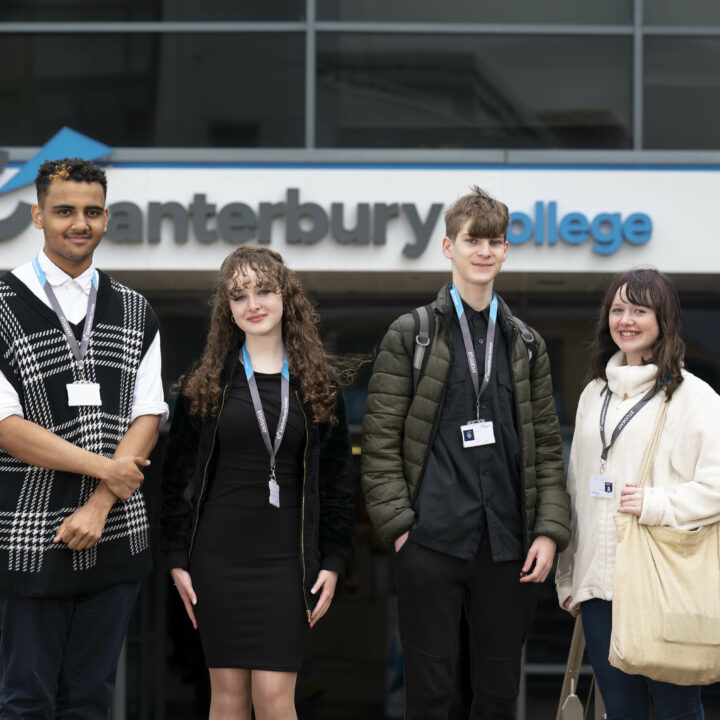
point(83, 393)
point(274, 488)
point(602, 486)
point(476, 433)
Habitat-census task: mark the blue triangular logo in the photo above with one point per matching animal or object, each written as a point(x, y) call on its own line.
point(66, 143)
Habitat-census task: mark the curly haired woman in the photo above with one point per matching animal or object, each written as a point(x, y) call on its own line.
point(257, 494)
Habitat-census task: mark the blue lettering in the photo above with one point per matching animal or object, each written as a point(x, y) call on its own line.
point(552, 223)
point(606, 230)
point(574, 228)
point(525, 232)
point(539, 223)
point(637, 228)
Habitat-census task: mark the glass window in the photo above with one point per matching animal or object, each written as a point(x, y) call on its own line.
point(688, 12)
point(702, 344)
point(234, 10)
point(168, 90)
point(446, 91)
point(81, 10)
point(125, 10)
point(478, 11)
point(682, 93)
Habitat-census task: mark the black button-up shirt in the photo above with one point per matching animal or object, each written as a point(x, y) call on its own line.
point(467, 491)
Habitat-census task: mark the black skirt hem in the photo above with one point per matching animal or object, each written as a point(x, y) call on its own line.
point(256, 666)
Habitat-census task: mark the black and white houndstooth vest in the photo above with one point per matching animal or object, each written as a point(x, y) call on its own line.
point(37, 361)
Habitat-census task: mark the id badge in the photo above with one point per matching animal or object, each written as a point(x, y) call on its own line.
point(477, 432)
point(83, 394)
point(602, 486)
point(274, 498)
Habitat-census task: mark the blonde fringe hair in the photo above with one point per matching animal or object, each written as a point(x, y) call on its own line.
point(316, 372)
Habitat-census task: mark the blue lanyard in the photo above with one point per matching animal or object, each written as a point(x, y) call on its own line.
point(469, 351)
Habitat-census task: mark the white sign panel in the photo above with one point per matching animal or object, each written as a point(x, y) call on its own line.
point(386, 218)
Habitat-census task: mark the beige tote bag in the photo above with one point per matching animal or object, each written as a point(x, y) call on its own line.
point(666, 596)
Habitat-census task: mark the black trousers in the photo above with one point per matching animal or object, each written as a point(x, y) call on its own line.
point(58, 656)
point(433, 588)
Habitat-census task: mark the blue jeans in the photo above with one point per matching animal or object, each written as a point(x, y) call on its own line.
point(627, 697)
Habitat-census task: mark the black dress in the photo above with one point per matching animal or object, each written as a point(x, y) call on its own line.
point(246, 567)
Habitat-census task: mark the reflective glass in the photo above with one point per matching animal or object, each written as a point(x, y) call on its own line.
point(201, 90)
point(478, 11)
point(137, 10)
point(469, 91)
point(80, 10)
point(234, 10)
point(688, 12)
point(682, 93)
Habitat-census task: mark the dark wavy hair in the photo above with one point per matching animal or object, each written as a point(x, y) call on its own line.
point(68, 169)
point(652, 289)
point(317, 373)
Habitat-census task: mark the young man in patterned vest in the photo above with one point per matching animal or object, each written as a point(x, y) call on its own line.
point(81, 401)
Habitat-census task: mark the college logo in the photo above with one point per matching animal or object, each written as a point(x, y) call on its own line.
point(65, 143)
point(304, 222)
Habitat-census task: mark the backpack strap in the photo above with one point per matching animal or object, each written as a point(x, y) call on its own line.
point(528, 338)
point(424, 332)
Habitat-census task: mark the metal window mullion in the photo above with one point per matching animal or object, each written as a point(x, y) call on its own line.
point(310, 73)
point(420, 28)
point(683, 30)
point(638, 79)
point(150, 27)
point(311, 24)
point(328, 26)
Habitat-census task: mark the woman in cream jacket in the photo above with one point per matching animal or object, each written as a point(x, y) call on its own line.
point(637, 357)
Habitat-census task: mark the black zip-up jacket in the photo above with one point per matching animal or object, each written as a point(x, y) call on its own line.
point(328, 495)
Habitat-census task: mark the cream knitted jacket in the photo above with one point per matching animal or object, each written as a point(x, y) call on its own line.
point(682, 490)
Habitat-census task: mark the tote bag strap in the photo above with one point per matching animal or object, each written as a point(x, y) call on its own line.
point(652, 445)
point(572, 670)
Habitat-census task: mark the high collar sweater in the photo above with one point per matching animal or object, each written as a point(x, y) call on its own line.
point(683, 486)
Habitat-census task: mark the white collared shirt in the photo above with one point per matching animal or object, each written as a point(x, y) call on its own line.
point(72, 294)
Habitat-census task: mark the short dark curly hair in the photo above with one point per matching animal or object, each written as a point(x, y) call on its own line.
point(72, 169)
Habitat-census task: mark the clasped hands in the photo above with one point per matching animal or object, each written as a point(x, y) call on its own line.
point(121, 477)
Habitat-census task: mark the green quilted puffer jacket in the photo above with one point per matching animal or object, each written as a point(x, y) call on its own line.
point(398, 429)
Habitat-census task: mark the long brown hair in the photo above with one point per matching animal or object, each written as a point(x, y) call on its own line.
point(649, 288)
point(308, 361)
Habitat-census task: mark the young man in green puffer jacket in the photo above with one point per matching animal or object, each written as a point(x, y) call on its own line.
point(464, 474)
